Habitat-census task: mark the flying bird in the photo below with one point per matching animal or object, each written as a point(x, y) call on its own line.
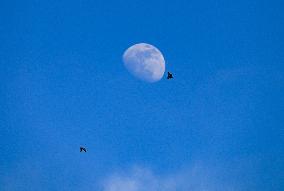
point(170, 75)
point(83, 149)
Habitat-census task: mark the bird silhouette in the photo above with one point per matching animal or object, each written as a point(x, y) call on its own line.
point(83, 149)
point(170, 75)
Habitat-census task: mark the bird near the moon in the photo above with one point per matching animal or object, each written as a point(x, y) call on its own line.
point(145, 62)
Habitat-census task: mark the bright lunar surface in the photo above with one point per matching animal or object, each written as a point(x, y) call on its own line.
point(145, 62)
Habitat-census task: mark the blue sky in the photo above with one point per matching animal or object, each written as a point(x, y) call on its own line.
point(217, 126)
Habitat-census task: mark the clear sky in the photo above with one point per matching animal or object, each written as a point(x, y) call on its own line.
point(218, 125)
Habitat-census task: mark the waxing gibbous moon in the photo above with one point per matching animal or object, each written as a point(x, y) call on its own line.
point(145, 62)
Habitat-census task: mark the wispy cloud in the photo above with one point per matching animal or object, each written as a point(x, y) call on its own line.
point(144, 179)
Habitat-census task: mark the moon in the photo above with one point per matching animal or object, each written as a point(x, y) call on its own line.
point(145, 62)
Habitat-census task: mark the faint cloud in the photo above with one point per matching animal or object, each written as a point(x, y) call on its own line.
point(144, 179)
